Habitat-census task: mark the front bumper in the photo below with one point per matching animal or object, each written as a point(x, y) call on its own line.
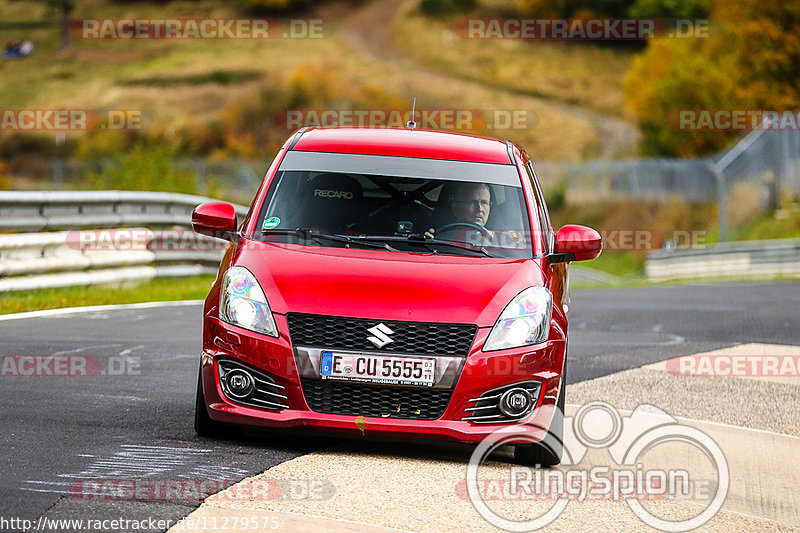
point(479, 373)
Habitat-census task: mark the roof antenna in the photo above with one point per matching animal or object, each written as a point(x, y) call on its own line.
point(411, 124)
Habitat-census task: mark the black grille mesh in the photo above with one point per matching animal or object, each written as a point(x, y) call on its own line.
point(341, 333)
point(420, 403)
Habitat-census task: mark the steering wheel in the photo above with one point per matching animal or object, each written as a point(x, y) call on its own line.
point(471, 225)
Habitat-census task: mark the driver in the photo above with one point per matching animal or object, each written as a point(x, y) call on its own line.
point(470, 203)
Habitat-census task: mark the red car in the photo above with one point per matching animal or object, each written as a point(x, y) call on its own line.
point(393, 282)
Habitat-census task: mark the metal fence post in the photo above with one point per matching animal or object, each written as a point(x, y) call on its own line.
point(57, 166)
point(722, 204)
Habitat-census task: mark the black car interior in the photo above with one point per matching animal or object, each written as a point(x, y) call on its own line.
point(354, 204)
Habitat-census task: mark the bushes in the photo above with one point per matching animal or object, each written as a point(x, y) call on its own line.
point(438, 8)
point(255, 126)
point(249, 127)
point(4, 182)
point(751, 60)
point(556, 197)
point(273, 6)
point(670, 9)
point(674, 75)
point(144, 168)
point(666, 9)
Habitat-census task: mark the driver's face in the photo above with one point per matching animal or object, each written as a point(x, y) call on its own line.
point(472, 204)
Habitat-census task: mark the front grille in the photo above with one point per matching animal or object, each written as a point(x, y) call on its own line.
point(340, 333)
point(338, 398)
point(487, 411)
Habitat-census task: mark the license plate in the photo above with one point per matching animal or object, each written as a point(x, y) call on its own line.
point(378, 369)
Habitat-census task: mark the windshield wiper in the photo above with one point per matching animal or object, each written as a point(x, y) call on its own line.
point(308, 234)
point(417, 239)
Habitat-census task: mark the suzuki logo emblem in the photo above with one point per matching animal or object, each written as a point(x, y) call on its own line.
point(381, 334)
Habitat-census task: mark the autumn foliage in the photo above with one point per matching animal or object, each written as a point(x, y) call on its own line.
point(751, 60)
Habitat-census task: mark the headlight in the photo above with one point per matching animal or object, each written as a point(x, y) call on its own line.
point(242, 303)
point(524, 321)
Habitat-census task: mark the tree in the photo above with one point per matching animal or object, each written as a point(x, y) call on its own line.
point(65, 8)
point(670, 9)
point(273, 6)
point(751, 60)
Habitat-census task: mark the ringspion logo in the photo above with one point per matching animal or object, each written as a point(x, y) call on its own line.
point(626, 476)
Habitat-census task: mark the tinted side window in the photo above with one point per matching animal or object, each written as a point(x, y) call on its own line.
point(544, 216)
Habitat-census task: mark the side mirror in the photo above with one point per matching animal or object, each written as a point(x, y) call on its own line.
point(215, 219)
point(576, 243)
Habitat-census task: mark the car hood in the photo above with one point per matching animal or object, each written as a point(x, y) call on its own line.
point(385, 285)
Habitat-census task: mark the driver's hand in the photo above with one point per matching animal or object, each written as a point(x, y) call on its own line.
point(429, 233)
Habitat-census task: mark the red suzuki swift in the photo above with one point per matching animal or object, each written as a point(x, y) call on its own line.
point(392, 282)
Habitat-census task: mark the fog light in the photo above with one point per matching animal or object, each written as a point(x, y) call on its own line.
point(240, 383)
point(515, 402)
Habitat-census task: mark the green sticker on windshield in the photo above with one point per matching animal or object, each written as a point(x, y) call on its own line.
point(271, 222)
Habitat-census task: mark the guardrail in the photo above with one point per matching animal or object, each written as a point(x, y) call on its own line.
point(730, 259)
point(91, 252)
point(53, 210)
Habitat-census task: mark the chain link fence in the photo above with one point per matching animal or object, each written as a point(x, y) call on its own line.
point(768, 159)
point(638, 178)
point(235, 180)
point(758, 173)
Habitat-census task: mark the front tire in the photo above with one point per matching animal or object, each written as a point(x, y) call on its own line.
point(549, 451)
point(203, 425)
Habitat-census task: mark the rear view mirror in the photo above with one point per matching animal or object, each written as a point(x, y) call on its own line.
point(215, 219)
point(576, 243)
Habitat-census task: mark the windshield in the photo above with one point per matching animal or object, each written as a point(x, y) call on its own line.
point(400, 204)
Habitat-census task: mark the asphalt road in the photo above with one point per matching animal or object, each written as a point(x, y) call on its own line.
point(616, 329)
point(133, 418)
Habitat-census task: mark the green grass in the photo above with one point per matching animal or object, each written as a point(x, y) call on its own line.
point(781, 224)
point(179, 85)
point(174, 81)
point(219, 77)
point(618, 262)
point(583, 74)
point(155, 290)
point(672, 215)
